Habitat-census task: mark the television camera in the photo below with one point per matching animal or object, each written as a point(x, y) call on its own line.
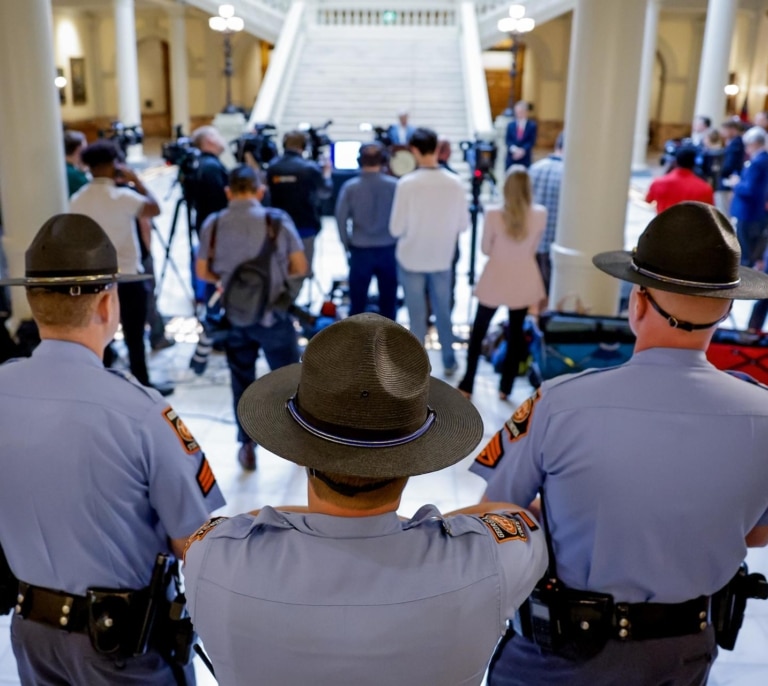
point(480, 155)
point(186, 157)
point(259, 144)
point(317, 139)
point(123, 135)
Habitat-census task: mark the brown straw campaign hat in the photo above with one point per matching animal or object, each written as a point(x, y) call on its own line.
point(690, 248)
point(71, 250)
point(361, 403)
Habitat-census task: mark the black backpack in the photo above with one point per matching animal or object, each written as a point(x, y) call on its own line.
point(247, 296)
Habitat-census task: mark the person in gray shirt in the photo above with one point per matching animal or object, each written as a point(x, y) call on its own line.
point(362, 215)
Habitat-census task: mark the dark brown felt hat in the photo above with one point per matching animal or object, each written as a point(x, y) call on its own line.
point(71, 250)
point(690, 248)
point(361, 403)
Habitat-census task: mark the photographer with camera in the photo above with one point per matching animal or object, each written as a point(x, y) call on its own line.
point(211, 177)
point(115, 199)
point(74, 142)
point(100, 475)
point(653, 477)
point(297, 185)
point(230, 239)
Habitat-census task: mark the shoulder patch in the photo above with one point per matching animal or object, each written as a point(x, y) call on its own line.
point(492, 453)
point(520, 421)
point(202, 532)
point(188, 441)
point(205, 477)
point(509, 526)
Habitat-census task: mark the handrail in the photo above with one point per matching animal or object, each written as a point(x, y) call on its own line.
point(475, 85)
point(283, 57)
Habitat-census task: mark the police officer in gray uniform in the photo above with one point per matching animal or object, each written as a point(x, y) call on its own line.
point(100, 476)
point(654, 474)
point(344, 592)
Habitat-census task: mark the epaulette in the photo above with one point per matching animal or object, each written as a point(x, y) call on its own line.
point(743, 376)
point(130, 378)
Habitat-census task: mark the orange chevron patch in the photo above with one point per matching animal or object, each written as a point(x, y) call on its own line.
point(492, 452)
point(205, 478)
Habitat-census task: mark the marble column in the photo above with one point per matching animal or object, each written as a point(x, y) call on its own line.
point(32, 177)
point(179, 71)
point(601, 104)
point(127, 70)
point(640, 150)
point(715, 59)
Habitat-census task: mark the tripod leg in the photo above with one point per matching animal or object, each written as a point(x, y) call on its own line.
point(171, 234)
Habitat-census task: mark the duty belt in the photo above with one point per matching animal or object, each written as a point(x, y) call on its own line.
point(54, 608)
point(641, 621)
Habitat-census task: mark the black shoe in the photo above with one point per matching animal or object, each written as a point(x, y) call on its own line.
point(162, 343)
point(164, 389)
point(246, 456)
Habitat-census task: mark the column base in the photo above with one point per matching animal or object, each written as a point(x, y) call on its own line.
point(578, 286)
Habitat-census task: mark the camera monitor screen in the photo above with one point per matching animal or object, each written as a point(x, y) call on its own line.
point(345, 154)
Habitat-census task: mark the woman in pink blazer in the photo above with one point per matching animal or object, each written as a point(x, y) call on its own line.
point(511, 276)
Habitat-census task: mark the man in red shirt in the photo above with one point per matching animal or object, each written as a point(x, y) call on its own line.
point(680, 184)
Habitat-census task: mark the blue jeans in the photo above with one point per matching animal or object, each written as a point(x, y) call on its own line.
point(242, 347)
point(364, 264)
point(438, 287)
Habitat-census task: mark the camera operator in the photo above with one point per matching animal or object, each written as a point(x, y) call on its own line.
point(297, 185)
point(211, 178)
point(115, 210)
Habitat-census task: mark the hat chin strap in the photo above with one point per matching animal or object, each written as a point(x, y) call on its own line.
point(676, 323)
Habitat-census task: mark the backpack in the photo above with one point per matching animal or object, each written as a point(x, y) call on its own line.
point(246, 298)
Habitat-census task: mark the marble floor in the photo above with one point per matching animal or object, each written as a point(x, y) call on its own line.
point(205, 404)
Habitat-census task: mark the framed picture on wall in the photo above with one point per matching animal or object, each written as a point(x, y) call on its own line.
point(77, 74)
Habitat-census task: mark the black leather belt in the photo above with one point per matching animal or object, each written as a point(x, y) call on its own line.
point(54, 608)
point(641, 621)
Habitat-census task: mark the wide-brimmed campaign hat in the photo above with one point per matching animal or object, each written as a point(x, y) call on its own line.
point(71, 250)
point(361, 403)
point(690, 248)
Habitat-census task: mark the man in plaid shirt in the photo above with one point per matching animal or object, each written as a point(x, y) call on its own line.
point(546, 178)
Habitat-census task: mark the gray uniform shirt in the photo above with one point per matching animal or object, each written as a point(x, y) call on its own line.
point(290, 599)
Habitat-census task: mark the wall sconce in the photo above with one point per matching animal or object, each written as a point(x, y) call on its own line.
point(61, 83)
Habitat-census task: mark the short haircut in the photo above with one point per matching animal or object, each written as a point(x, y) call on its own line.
point(371, 155)
point(295, 139)
point(72, 141)
point(523, 103)
point(705, 120)
point(243, 179)
point(361, 493)
point(101, 152)
point(201, 133)
point(685, 156)
point(560, 141)
point(731, 124)
point(754, 135)
point(424, 140)
point(61, 310)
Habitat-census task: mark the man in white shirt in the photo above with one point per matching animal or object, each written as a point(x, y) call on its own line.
point(115, 208)
point(428, 214)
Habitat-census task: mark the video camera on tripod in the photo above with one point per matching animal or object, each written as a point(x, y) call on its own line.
point(186, 157)
point(317, 139)
point(260, 144)
point(480, 155)
point(123, 135)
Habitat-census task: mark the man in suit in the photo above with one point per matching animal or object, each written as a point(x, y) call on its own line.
point(400, 133)
point(521, 136)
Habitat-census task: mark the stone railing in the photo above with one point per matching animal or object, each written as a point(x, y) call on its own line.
point(392, 13)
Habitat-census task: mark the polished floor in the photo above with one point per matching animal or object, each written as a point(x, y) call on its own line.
point(205, 404)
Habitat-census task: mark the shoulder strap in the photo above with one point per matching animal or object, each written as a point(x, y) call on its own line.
point(274, 224)
point(212, 246)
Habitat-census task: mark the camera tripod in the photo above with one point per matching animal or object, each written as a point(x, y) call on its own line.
point(167, 259)
point(475, 209)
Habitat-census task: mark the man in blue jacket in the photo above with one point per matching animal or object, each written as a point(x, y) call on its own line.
point(521, 136)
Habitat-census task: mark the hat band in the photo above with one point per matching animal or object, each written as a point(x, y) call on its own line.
point(53, 280)
point(355, 443)
point(683, 282)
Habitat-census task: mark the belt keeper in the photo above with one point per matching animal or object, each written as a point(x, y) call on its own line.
point(624, 632)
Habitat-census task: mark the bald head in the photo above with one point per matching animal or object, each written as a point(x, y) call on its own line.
point(653, 329)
